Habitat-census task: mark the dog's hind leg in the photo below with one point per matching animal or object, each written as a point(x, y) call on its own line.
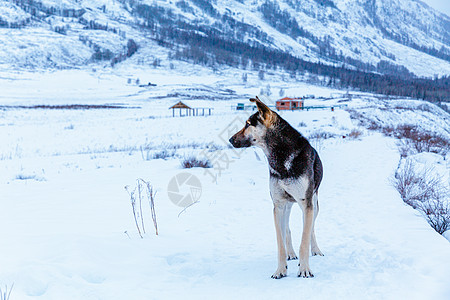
point(308, 218)
point(290, 250)
point(314, 247)
point(280, 228)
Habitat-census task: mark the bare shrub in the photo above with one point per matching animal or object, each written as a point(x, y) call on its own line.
point(388, 130)
point(317, 137)
point(432, 143)
point(25, 177)
point(355, 134)
point(148, 152)
point(194, 162)
point(142, 191)
point(437, 213)
point(302, 124)
point(363, 120)
point(320, 134)
point(372, 125)
point(404, 148)
point(4, 294)
point(417, 140)
point(354, 114)
point(215, 147)
point(420, 140)
point(415, 187)
point(424, 192)
point(406, 131)
point(30, 177)
point(167, 150)
point(163, 154)
point(406, 182)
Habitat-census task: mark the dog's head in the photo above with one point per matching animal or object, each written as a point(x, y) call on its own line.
point(255, 128)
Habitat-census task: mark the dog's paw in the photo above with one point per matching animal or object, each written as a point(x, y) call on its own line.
point(305, 273)
point(280, 273)
point(315, 252)
point(291, 256)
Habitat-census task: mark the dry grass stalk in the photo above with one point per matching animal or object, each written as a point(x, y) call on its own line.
point(143, 191)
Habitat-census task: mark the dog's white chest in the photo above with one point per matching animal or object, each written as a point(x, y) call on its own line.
point(295, 187)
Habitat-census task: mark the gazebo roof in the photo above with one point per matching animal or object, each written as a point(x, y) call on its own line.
point(179, 105)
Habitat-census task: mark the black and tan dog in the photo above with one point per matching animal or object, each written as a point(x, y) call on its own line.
point(295, 175)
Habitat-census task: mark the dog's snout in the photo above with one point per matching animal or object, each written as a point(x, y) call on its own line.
point(232, 141)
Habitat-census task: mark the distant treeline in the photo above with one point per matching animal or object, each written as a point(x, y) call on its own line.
point(211, 49)
point(225, 45)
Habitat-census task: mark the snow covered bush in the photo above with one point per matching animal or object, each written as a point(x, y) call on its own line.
point(317, 137)
point(415, 186)
point(416, 140)
point(149, 153)
point(163, 154)
point(364, 120)
point(388, 130)
point(355, 134)
point(424, 192)
point(437, 213)
point(322, 135)
point(193, 162)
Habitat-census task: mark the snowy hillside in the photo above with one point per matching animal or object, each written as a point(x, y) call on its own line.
point(67, 225)
point(45, 33)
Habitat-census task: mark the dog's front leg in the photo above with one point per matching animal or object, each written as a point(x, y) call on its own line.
point(280, 228)
point(308, 217)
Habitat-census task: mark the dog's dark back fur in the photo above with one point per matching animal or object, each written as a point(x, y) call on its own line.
point(285, 143)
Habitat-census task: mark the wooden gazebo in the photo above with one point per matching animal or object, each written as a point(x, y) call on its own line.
point(190, 111)
point(180, 105)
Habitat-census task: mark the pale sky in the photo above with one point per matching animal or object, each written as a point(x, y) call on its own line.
point(440, 5)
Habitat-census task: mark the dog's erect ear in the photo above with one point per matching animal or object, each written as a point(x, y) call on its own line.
point(267, 115)
point(264, 110)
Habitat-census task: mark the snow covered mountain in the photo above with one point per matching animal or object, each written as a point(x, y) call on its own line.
point(374, 35)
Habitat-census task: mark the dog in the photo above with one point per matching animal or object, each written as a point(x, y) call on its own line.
point(295, 175)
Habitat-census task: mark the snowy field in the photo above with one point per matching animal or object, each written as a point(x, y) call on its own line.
point(66, 221)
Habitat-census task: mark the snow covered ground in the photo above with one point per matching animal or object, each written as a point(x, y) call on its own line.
point(66, 221)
